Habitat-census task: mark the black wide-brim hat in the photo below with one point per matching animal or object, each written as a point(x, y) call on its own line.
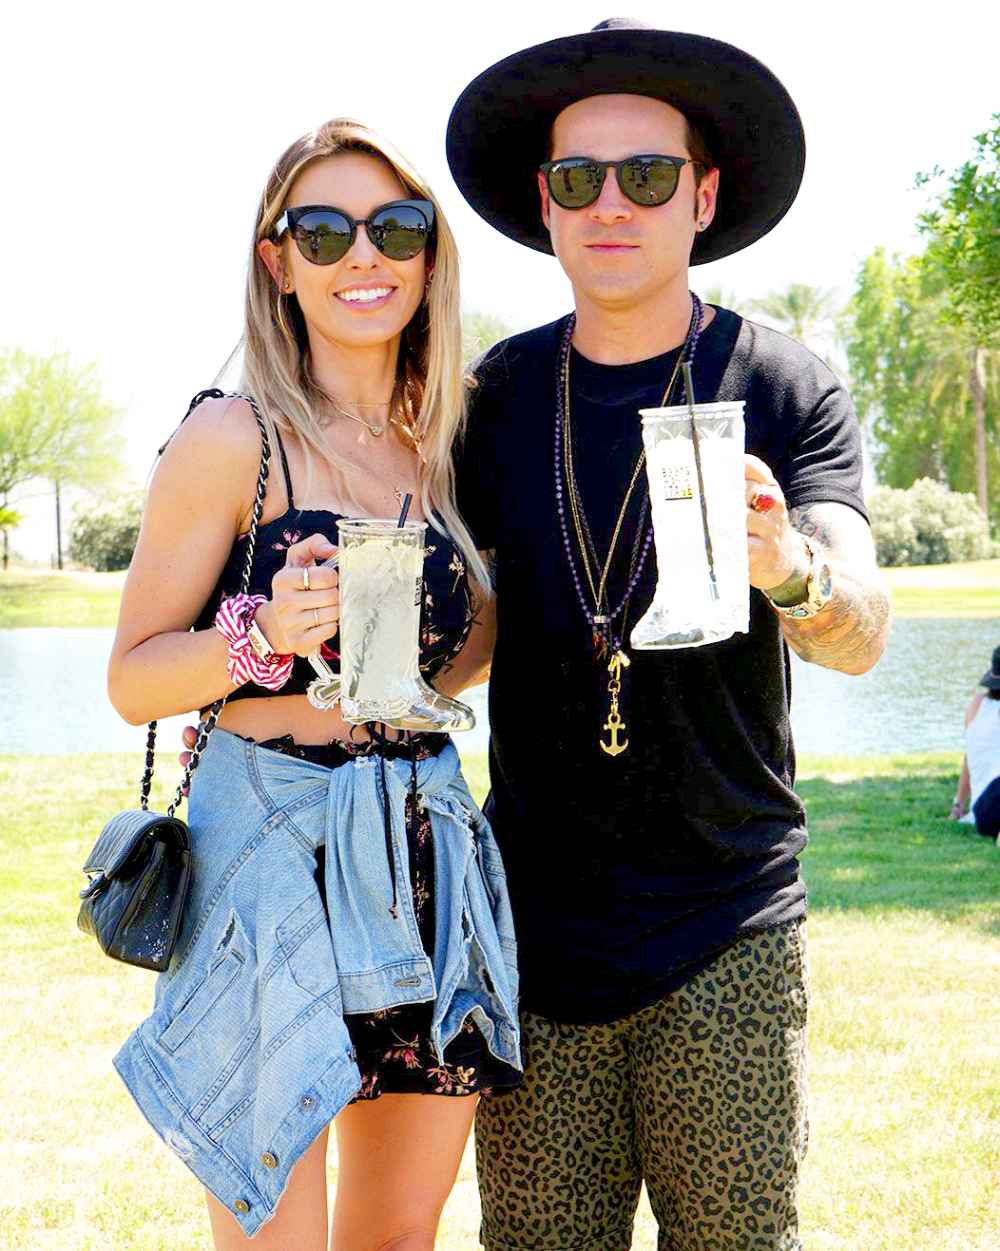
point(991, 678)
point(499, 129)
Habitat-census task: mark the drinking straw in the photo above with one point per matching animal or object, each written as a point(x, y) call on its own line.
point(407, 499)
point(696, 441)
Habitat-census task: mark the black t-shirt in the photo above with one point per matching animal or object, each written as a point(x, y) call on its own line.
point(629, 874)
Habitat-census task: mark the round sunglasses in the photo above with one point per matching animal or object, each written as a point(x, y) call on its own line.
point(324, 234)
point(576, 181)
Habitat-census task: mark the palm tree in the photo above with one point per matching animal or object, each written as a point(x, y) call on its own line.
point(969, 370)
point(803, 312)
point(718, 295)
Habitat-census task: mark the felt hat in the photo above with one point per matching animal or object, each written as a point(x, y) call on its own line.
point(499, 128)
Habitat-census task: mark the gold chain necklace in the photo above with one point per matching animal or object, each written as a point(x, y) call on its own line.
point(373, 430)
point(615, 724)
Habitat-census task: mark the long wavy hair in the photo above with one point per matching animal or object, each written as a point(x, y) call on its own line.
point(429, 395)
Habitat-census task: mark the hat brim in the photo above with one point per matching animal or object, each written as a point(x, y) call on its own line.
point(990, 680)
point(499, 127)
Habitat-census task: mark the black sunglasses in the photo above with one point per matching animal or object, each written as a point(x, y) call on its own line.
point(324, 234)
point(576, 181)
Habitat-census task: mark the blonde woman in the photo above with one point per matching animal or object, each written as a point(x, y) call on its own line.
point(298, 993)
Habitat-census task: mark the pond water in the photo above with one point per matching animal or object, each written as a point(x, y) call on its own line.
point(53, 697)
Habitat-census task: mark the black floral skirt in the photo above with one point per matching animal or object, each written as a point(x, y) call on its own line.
point(393, 1046)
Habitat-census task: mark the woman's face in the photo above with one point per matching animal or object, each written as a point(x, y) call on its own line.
point(356, 183)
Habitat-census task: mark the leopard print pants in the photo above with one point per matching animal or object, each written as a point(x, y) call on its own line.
point(701, 1094)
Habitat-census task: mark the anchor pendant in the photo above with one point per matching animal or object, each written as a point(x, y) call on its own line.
point(613, 725)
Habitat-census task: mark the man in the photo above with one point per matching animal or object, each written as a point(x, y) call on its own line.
point(643, 800)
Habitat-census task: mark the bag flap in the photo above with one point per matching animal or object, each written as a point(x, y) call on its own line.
point(125, 831)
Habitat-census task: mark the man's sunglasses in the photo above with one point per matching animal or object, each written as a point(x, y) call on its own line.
point(576, 181)
point(324, 234)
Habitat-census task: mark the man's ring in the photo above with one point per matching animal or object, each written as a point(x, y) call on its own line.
point(316, 616)
point(305, 577)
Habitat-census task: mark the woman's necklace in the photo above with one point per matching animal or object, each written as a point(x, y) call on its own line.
point(600, 619)
point(372, 429)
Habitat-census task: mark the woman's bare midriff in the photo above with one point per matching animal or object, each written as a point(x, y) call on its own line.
point(263, 719)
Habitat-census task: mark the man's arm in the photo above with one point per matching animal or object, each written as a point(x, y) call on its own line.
point(849, 632)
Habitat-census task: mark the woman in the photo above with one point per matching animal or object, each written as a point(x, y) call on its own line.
point(352, 354)
point(977, 799)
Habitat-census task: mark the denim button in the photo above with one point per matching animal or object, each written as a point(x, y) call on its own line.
point(271, 1161)
point(307, 1101)
point(241, 1205)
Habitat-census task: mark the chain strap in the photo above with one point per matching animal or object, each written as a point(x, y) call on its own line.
point(206, 726)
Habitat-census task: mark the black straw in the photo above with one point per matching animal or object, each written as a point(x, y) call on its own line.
point(696, 441)
point(407, 499)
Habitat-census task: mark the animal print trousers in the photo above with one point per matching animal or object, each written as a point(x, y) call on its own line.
point(702, 1095)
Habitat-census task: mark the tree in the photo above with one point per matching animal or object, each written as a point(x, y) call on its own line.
point(54, 424)
point(806, 313)
point(724, 298)
point(909, 374)
point(9, 519)
point(105, 536)
point(963, 232)
point(479, 332)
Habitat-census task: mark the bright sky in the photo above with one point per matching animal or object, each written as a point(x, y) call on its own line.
point(137, 139)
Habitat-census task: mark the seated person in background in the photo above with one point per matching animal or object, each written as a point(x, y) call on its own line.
point(977, 800)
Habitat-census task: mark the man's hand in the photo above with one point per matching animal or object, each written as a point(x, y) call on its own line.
point(849, 632)
point(776, 551)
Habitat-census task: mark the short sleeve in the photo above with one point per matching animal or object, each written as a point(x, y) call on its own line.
point(475, 471)
point(823, 461)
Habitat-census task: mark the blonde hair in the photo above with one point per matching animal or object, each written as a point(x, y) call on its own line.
point(429, 395)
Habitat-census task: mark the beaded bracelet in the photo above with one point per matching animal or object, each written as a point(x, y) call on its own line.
point(244, 665)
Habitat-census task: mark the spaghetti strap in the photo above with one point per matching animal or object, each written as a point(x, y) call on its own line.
point(284, 465)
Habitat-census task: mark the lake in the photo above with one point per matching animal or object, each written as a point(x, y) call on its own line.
point(52, 692)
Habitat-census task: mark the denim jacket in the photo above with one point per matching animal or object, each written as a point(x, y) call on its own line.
point(245, 1057)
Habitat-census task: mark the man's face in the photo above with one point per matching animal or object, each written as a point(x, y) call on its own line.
point(617, 253)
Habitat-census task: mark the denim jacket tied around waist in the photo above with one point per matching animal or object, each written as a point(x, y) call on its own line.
point(245, 1057)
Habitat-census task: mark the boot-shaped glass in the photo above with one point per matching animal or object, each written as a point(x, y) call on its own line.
point(381, 586)
point(703, 589)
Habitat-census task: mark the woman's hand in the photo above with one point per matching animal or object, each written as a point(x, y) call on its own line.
point(296, 619)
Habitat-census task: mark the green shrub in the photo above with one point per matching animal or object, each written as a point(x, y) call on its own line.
point(104, 535)
point(927, 524)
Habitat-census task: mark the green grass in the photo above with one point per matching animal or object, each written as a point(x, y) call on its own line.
point(964, 589)
point(904, 1029)
point(46, 598)
point(52, 598)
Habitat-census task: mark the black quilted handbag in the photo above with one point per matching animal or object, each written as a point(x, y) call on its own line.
point(134, 903)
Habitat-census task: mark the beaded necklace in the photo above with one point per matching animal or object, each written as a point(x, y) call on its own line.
point(604, 634)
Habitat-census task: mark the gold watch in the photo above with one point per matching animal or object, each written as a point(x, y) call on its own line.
point(819, 587)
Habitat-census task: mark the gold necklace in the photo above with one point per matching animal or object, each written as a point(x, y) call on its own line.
point(373, 430)
point(615, 724)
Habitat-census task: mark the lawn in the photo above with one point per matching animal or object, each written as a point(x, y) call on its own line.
point(904, 1027)
point(48, 598)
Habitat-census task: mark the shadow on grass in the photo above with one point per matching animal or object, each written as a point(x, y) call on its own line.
point(880, 843)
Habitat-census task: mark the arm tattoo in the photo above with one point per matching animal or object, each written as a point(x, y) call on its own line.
point(849, 632)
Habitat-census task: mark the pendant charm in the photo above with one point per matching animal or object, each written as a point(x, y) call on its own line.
point(614, 724)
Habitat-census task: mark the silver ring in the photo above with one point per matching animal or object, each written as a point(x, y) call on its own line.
point(305, 577)
point(316, 617)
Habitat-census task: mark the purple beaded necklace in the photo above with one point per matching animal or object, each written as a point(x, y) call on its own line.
point(602, 625)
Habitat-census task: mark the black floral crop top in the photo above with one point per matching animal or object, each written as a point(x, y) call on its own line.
point(445, 615)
